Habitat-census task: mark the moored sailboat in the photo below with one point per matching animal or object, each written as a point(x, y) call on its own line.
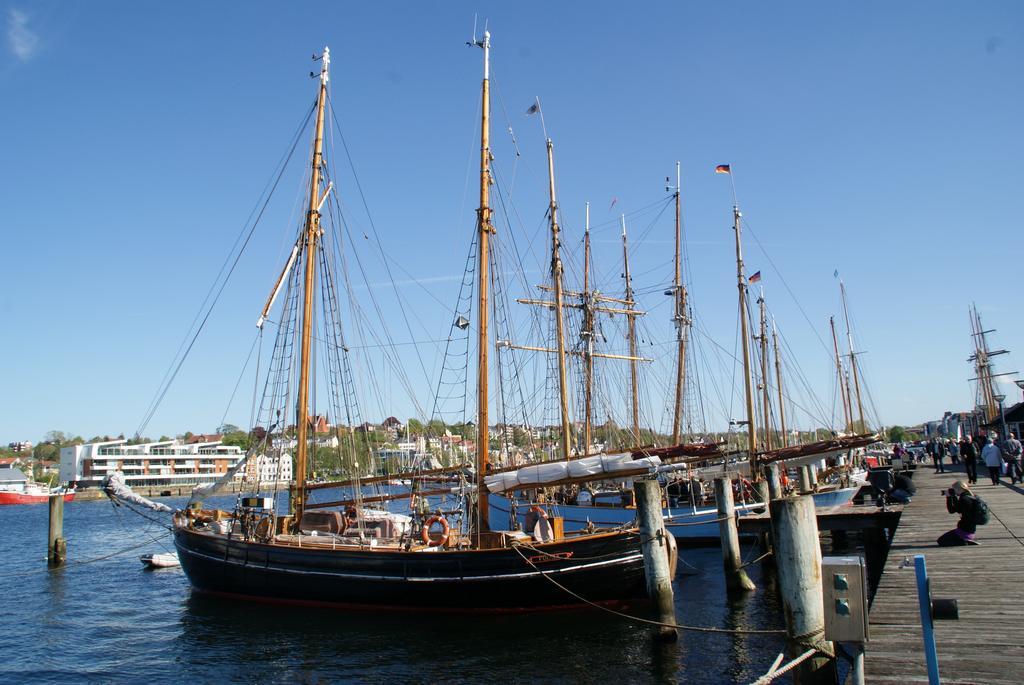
point(345, 553)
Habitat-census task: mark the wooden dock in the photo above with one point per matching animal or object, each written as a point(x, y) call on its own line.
point(985, 645)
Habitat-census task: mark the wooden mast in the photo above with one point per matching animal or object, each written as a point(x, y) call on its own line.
point(483, 459)
point(312, 236)
point(840, 375)
point(588, 341)
point(556, 278)
point(631, 334)
point(983, 364)
point(853, 363)
point(778, 384)
point(741, 284)
point(680, 319)
point(765, 397)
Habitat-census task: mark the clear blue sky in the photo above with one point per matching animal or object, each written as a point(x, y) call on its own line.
point(880, 139)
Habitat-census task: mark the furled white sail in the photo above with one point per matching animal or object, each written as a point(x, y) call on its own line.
point(116, 489)
point(609, 466)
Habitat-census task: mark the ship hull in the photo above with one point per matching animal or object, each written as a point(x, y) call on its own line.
point(23, 498)
point(599, 568)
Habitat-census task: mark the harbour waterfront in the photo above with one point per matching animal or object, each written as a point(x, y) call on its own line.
point(109, 620)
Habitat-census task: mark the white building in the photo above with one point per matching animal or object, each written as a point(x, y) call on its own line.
point(273, 469)
point(153, 463)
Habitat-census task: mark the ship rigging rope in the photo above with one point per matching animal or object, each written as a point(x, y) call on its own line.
point(778, 273)
point(84, 562)
point(638, 619)
point(173, 369)
point(245, 366)
point(376, 236)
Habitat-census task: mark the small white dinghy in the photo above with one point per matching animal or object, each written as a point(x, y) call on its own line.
point(160, 560)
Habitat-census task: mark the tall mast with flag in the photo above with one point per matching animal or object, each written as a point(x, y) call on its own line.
point(766, 404)
point(741, 284)
point(556, 284)
point(312, 236)
point(840, 375)
point(853, 360)
point(778, 384)
point(587, 333)
point(483, 459)
point(631, 335)
point(680, 318)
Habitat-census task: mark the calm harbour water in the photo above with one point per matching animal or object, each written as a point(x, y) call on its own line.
point(110, 621)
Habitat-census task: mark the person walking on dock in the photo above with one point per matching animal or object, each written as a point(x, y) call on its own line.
point(938, 452)
point(969, 453)
point(993, 458)
point(973, 513)
point(1011, 453)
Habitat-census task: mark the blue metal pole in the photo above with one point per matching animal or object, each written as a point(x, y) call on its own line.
point(924, 600)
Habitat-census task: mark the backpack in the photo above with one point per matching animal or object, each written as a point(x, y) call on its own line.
point(979, 512)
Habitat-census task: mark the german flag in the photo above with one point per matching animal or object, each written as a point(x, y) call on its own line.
point(722, 169)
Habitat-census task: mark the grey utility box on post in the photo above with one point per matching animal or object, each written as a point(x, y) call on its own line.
point(844, 581)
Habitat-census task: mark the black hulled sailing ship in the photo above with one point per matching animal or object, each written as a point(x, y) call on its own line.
point(350, 554)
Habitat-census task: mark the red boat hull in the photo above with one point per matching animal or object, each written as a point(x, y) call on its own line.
point(22, 498)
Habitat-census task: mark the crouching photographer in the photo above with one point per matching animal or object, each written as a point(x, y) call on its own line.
point(973, 513)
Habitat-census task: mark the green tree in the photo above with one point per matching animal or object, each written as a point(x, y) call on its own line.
point(415, 426)
point(238, 438)
point(55, 437)
point(897, 434)
point(46, 451)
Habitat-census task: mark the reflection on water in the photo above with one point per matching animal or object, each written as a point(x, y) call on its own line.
point(111, 621)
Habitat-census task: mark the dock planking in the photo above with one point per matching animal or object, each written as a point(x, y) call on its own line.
point(985, 645)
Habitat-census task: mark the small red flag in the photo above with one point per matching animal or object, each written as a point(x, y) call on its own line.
point(722, 169)
point(755, 278)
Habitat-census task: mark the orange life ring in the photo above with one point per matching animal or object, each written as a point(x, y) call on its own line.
point(445, 530)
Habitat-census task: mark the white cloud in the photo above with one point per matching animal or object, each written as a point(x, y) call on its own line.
point(22, 40)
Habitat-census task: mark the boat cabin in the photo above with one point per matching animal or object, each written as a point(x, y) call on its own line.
point(12, 480)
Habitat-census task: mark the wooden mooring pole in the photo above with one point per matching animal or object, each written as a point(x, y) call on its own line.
point(805, 480)
point(657, 550)
point(735, 577)
point(56, 546)
point(798, 558)
point(764, 538)
point(771, 475)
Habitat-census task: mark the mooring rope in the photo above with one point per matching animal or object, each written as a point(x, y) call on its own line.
point(84, 562)
point(676, 626)
point(772, 673)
